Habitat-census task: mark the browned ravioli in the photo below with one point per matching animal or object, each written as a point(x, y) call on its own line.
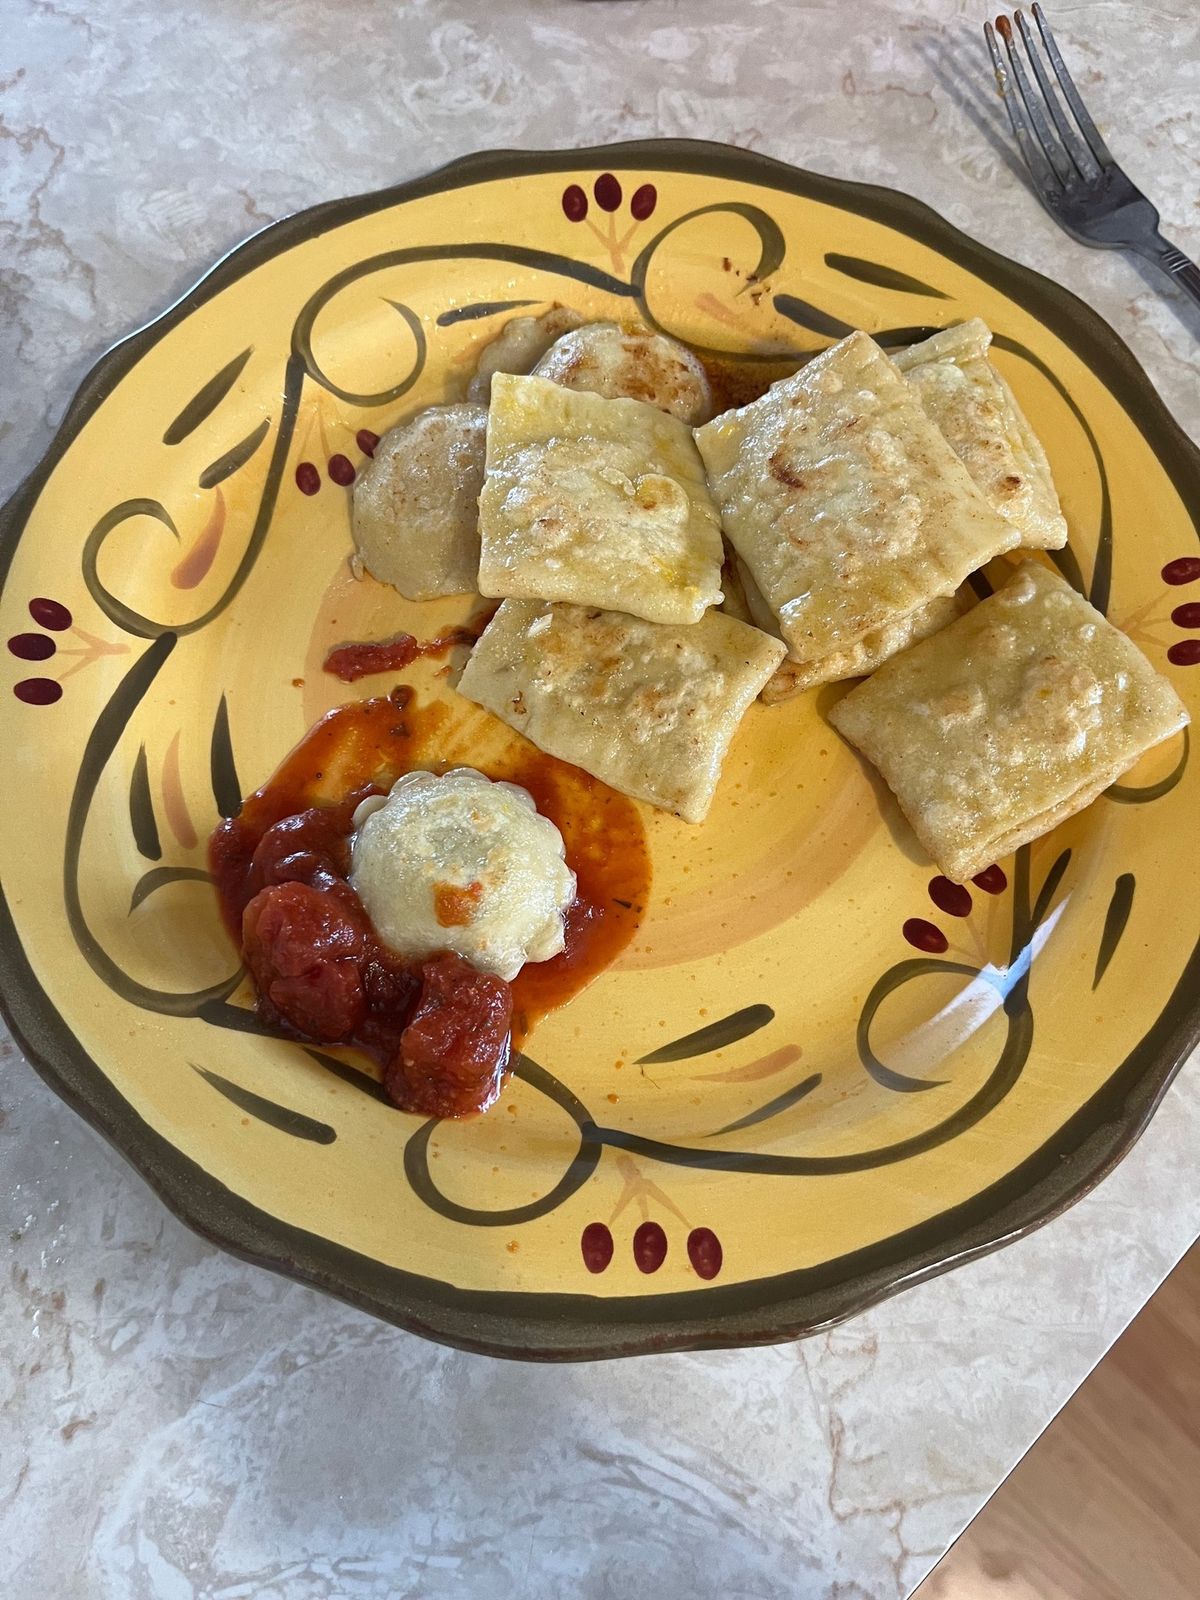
point(1009, 721)
point(648, 708)
point(844, 500)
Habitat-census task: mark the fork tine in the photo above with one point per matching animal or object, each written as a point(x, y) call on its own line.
point(1033, 106)
point(1070, 93)
point(1085, 163)
point(1043, 173)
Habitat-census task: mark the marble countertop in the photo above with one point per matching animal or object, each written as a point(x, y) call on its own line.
point(175, 1425)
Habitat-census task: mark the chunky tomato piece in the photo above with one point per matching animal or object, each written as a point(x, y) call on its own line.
point(454, 1051)
point(392, 987)
point(299, 848)
point(349, 662)
point(321, 971)
point(305, 951)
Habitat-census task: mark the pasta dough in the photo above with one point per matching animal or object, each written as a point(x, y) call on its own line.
point(868, 653)
point(605, 359)
point(598, 502)
point(1008, 721)
point(743, 598)
point(649, 709)
point(979, 415)
point(461, 863)
point(519, 346)
point(845, 501)
point(415, 517)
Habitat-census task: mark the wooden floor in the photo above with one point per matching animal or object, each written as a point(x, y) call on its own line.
point(1106, 1506)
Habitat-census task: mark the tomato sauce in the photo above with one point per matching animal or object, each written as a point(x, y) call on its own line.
point(440, 1031)
point(368, 658)
point(349, 662)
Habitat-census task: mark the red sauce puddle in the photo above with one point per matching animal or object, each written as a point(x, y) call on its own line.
point(439, 1031)
point(349, 662)
point(369, 658)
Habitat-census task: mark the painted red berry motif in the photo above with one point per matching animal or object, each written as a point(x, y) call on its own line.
point(86, 648)
point(1185, 652)
point(704, 1252)
point(952, 898)
point(50, 614)
point(341, 471)
point(596, 1245)
point(643, 203)
point(38, 691)
point(924, 936)
point(367, 441)
point(308, 479)
point(649, 1247)
point(574, 203)
point(601, 213)
point(46, 613)
point(991, 880)
point(31, 646)
point(608, 192)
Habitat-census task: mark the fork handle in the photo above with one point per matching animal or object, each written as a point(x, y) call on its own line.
point(1182, 269)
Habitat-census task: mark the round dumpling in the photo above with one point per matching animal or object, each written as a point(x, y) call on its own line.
point(416, 507)
point(605, 359)
point(519, 345)
point(459, 862)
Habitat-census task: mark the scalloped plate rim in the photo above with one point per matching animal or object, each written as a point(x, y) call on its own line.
point(583, 1327)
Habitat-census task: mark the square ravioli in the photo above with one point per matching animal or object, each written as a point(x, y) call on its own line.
point(598, 502)
point(986, 428)
point(1009, 721)
point(845, 501)
point(864, 656)
point(647, 708)
point(743, 598)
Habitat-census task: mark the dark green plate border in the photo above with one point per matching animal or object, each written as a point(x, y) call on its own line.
point(563, 1327)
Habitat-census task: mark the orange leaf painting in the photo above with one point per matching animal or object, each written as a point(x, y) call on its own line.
point(193, 566)
point(760, 1067)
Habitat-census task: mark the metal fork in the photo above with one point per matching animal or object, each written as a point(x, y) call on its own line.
point(1073, 170)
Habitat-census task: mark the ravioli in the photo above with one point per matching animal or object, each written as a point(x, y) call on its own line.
point(1009, 721)
point(458, 862)
point(519, 346)
point(647, 708)
point(744, 599)
point(844, 500)
point(979, 415)
point(863, 657)
point(598, 502)
point(415, 517)
point(606, 359)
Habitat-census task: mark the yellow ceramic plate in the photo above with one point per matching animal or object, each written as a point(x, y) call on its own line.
point(810, 1080)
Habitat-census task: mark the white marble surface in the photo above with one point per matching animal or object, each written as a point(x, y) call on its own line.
point(177, 1426)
